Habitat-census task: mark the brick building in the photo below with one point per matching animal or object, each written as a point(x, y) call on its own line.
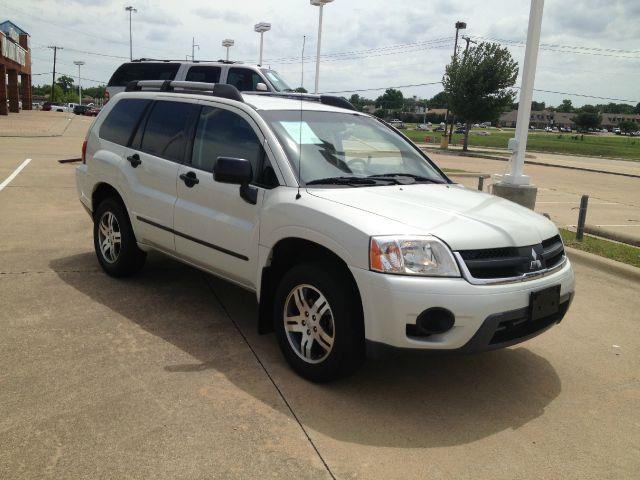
point(15, 60)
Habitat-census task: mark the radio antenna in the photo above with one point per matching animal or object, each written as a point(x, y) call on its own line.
point(304, 40)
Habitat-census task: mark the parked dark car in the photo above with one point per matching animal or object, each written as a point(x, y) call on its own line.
point(459, 130)
point(81, 109)
point(46, 106)
point(92, 112)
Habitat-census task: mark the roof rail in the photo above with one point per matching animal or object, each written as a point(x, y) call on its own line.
point(221, 90)
point(331, 100)
point(166, 60)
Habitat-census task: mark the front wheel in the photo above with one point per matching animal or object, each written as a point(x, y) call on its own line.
point(318, 322)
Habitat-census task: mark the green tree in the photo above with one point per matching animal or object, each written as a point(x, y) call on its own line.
point(392, 99)
point(359, 102)
point(537, 105)
point(566, 107)
point(65, 82)
point(381, 113)
point(478, 83)
point(94, 92)
point(628, 126)
point(439, 100)
point(637, 109)
point(585, 120)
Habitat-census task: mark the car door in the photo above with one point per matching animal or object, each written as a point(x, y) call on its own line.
point(215, 228)
point(154, 159)
point(244, 79)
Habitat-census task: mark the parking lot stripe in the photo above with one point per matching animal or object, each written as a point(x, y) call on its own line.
point(14, 174)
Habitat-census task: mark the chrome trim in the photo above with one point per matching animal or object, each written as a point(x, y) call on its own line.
point(466, 274)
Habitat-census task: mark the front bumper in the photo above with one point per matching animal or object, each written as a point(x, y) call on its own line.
point(391, 302)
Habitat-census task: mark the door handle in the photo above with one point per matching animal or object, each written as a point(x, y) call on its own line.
point(189, 179)
point(134, 160)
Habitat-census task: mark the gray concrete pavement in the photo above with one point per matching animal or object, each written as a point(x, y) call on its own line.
point(150, 378)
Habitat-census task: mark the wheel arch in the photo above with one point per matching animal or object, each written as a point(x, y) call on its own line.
point(286, 253)
point(102, 191)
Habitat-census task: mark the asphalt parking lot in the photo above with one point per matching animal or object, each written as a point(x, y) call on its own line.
point(164, 375)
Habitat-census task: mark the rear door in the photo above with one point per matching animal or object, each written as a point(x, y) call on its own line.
point(203, 73)
point(244, 79)
point(215, 227)
point(153, 161)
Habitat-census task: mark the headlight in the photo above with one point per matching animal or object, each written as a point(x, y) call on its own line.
point(425, 256)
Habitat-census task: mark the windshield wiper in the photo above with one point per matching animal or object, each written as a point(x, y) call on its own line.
point(347, 180)
point(395, 176)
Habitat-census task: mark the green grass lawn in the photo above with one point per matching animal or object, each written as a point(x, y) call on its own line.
point(590, 145)
point(605, 248)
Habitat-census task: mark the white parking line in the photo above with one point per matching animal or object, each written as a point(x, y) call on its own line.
point(14, 174)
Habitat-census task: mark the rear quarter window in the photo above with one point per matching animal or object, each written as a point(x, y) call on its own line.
point(122, 120)
point(129, 72)
point(203, 74)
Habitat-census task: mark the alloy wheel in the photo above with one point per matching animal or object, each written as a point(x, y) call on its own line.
point(109, 237)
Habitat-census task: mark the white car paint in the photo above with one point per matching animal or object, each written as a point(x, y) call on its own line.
point(342, 220)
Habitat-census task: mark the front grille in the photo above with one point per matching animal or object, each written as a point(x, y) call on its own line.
point(494, 263)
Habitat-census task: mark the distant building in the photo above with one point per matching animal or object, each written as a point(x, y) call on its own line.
point(548, 118)
point(15, 59)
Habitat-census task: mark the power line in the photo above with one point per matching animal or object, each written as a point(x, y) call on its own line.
point(585, 96)
point(384, 88)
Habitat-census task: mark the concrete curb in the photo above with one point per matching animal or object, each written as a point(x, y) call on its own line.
point(608, 234)
point(589, 259)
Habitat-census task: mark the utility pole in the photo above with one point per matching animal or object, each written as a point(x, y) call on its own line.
point(131, 10)
point(514, 185)
point(79, 63)
point(261, 28)
point(320, 4)
point(468, 40)
point(193, 49)
point(53, 79)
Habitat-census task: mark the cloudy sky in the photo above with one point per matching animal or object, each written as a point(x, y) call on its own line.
point(590, 47)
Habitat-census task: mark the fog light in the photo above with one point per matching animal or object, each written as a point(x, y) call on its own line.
point(435, 320)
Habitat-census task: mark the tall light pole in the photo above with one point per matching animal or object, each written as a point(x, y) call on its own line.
point(321, 4)
point(261, 28)
point(131, 10)
point(79, 63)
point(515, 184)
point(227, 42)
point(459, 26)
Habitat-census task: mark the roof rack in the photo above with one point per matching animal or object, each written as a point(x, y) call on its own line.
point(222, 90)
point(167, 60)
point(331, 100)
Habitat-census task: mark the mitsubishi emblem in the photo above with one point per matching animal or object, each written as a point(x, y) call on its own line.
point(535, 263)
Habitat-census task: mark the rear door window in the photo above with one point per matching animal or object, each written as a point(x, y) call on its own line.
point(122, 120)
point(129, 72)
point(243, 79)
point(167, 129)
point(202, 73)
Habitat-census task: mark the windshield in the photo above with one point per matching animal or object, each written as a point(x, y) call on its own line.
point(276, 80)
point(345, 146)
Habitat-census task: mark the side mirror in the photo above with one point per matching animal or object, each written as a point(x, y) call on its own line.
point(237, 171)
point(261, 87)
point(233, 170)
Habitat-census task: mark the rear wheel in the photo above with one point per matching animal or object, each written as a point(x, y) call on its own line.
point(318, 322)
point(114, 241)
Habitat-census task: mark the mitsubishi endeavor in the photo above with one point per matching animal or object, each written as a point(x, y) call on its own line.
point(349, 235)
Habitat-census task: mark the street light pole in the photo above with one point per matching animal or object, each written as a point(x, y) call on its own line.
point(515, 185)
point(193, 48)
point(131, 10)
point(79, 63)
point(321, 4)
point(459, 26)
point(227, 42)
point(261, 28)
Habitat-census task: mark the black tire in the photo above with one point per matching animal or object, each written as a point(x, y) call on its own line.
point(347, 352)
point(129, 259)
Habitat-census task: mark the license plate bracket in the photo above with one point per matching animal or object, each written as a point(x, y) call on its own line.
point(544, 303)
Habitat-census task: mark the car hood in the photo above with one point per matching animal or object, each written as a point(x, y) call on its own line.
point(465, 219)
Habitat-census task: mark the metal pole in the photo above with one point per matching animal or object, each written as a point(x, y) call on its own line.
point(130, 37)
point(518, 144)
point(455, 54)
point(227, 54)
point(481, 183)
point(318, 50)
point(582, 217)
point(53, 81)
point(193, 48)
point(261, 40)
point(79, 87)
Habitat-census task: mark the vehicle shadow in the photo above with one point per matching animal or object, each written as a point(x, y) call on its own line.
point(404, 401)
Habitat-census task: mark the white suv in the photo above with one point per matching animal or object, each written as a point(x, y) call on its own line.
point(242, 76)
point(348, 234)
